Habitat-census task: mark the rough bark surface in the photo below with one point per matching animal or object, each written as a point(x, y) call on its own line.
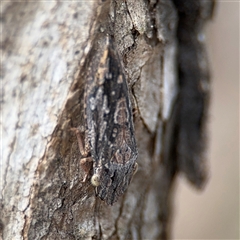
point(44, 47)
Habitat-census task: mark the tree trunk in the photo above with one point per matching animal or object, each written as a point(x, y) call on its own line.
point(48, 50)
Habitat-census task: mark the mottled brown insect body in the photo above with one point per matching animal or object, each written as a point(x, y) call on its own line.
point(109, 123)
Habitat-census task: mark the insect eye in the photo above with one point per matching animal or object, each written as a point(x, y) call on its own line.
point(95, 180)
point(135, 168)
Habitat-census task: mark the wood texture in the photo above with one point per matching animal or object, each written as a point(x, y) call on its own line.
point(44, 47)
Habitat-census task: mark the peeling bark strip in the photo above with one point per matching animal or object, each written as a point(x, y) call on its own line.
point(109, 132)
point(194, 92)
point(66, 75)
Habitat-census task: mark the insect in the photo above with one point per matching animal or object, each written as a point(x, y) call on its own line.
point(109, 142)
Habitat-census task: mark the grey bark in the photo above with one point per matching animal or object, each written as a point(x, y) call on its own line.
point(44, 46)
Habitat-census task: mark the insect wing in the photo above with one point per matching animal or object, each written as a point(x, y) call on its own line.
point(110, 127)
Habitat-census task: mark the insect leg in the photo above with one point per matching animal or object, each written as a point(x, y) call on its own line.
point(86, 163)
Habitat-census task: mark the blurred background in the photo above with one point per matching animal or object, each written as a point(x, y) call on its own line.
point(214, 212)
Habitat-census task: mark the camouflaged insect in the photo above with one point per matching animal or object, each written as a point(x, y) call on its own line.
point(109, 136)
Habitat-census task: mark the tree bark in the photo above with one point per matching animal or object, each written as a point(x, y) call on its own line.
point(44, 49)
